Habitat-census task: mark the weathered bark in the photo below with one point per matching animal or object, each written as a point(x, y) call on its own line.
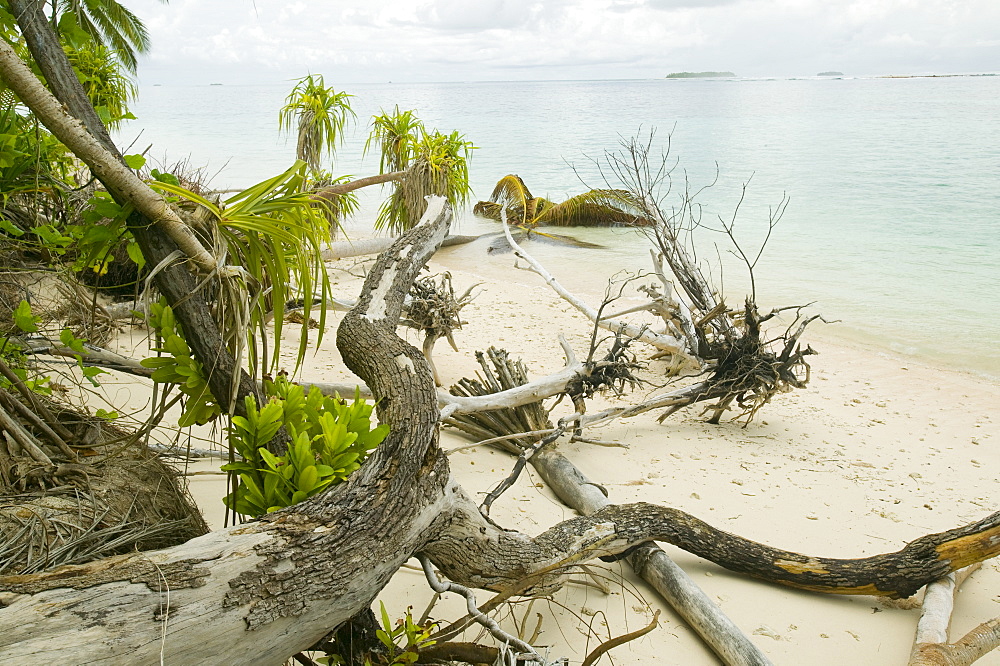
point(931, 646)
point(357, 184)
point(288, 578)
point(977, 643)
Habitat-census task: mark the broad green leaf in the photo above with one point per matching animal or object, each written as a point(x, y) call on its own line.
point(135, 161)
point(23, 318)
point(68, 339)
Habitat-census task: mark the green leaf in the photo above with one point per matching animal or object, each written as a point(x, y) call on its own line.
point(168, 178)
point(135, 161)
point(308, 479)
point(273, 461)
point(8, 226)
point(135, 254)
point(23, 318)
point(90, 372)
point(167, 375)
point(68, 339)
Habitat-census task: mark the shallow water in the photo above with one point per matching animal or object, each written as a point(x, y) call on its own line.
point(893, 226)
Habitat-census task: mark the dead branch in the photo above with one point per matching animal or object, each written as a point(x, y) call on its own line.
point(931, 646)
point(660, 341)
point(611, 644)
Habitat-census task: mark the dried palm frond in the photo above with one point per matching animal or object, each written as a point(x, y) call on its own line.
point(115, 497)
point(595, 208)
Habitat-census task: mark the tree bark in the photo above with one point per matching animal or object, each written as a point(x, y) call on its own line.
point(288, 578)
point(357, 184)
point(931, 646)
point(48, 53)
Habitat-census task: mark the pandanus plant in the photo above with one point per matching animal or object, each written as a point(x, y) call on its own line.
point(434, 163)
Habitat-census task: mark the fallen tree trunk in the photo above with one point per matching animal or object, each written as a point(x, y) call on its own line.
point(288, 578)
point(359, 248)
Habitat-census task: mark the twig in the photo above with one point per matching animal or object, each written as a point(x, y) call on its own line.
point(22, 437)
point(494, 440)
point(36, 421)
point(611, 644)
point(519, 465)
point(487, 622)
point(664, 342)
point(36, 404)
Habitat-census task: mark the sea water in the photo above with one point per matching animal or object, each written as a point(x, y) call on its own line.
point(893, 220)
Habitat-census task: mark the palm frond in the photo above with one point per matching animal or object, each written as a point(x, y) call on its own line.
point(511, 194)
point(596, 208)
point(439, 166)
point(394, 134)
point(112, 25)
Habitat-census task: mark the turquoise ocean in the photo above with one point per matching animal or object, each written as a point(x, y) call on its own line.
point(893, 221)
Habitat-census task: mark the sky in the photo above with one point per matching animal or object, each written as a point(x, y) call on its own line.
point(372, 41)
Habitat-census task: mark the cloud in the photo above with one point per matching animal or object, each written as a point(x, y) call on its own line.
point(688, 4)
point(465, 16)
point(435, 40)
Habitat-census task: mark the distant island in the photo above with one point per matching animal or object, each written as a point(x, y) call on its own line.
point(699, 75)
point(830, 74)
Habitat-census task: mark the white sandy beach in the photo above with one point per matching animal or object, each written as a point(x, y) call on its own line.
point(877, 451)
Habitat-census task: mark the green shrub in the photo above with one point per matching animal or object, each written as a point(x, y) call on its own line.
point(328, 439)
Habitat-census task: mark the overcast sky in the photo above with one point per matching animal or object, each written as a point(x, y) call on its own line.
point(356, 41)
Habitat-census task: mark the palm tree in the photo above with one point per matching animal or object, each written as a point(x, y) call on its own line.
point(108, 23)
point(596, 208)
point(435, 163)
point(319, 114)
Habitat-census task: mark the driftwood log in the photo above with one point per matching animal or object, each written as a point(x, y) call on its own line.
point(931, 646)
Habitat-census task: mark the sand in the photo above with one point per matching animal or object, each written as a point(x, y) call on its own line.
point(878, 450)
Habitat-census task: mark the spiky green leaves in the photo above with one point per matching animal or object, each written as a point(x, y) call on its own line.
point(436, 164)
point(274, 232)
